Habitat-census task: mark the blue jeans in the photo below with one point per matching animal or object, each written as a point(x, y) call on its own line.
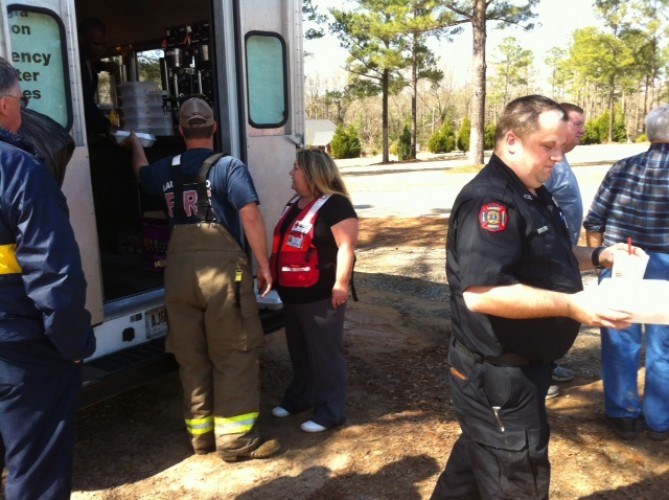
point(620, 363)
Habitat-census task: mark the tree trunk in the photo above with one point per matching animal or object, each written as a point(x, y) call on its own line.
point(476, 136)
point(612, 93)
point(414, 99)
point(384, 85)
point(645, 94)
point(625, 119)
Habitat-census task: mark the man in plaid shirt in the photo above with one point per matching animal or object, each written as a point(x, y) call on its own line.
point(633, 202)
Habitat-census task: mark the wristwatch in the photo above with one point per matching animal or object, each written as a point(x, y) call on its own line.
point(595, 257)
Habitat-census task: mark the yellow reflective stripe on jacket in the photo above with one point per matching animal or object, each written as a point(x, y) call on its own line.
point(197, 426)
point(8, 262)
point(236, 425)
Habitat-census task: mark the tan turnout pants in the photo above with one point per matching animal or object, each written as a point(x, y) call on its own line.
point(215, 335)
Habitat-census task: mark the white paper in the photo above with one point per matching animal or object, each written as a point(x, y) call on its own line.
point(646, 300)
point(626, 265)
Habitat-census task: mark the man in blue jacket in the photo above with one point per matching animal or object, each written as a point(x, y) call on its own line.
point(45, 330)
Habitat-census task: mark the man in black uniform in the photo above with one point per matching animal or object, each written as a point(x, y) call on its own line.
point(516, 306)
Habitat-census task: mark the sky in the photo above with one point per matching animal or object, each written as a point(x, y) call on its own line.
point(556, 22)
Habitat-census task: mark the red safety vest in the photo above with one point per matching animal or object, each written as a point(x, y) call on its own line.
point(294, 261)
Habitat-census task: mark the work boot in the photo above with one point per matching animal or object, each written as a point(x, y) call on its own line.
point(203, 443)
point(265, 449)
point(204, 451)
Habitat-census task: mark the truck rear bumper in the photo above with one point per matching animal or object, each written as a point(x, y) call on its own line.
point(123, 370)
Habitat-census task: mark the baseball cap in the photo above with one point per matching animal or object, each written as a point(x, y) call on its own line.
point(195, 113)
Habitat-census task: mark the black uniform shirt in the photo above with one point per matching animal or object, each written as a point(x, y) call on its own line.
point(501, 234)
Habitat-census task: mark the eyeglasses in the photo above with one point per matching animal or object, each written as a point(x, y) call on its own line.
point(23, 100)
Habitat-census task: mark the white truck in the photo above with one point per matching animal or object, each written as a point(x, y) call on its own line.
point(244, 57)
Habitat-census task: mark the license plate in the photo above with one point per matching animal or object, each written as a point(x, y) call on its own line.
point(156, 322)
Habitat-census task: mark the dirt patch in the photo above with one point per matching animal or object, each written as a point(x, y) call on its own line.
point(401, 425)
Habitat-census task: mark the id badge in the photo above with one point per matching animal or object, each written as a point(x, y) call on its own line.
point(295, 241)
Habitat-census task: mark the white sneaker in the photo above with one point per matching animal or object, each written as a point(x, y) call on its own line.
point(310, 426)
point(553, 391)
point(280, 412)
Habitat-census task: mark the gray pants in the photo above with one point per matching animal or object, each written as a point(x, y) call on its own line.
point(315, 337)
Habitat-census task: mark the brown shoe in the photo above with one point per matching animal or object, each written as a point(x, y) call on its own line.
point(204, 451)
point(658, 436)
point(266, 449)
point(625, 428)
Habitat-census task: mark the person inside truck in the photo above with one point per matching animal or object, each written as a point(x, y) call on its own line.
point(93, 47)
point(214, 330)
point(114, 205)
point(45, 330)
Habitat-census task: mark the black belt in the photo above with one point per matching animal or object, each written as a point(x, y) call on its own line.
point(506, 359)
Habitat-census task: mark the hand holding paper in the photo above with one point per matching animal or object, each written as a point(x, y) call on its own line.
point(645, 299)
point(609, 255)
point(628, 265)
point(588, 308)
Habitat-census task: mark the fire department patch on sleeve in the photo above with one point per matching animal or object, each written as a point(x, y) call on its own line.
point(493, 217)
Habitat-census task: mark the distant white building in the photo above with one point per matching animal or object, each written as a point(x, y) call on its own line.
point(319, 133)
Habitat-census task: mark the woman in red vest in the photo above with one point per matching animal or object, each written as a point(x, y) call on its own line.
point(312, 262)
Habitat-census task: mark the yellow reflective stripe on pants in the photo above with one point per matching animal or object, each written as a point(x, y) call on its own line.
point(236, 425)
point(8, 262)
point(198, 426)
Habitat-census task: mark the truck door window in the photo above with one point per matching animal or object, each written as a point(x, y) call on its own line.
point(38, 51)
point(266, 80)
point(148, 66)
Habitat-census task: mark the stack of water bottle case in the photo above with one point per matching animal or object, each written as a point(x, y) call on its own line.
point(142, 108)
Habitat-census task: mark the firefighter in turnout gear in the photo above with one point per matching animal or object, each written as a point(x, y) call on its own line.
point(214, 329)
